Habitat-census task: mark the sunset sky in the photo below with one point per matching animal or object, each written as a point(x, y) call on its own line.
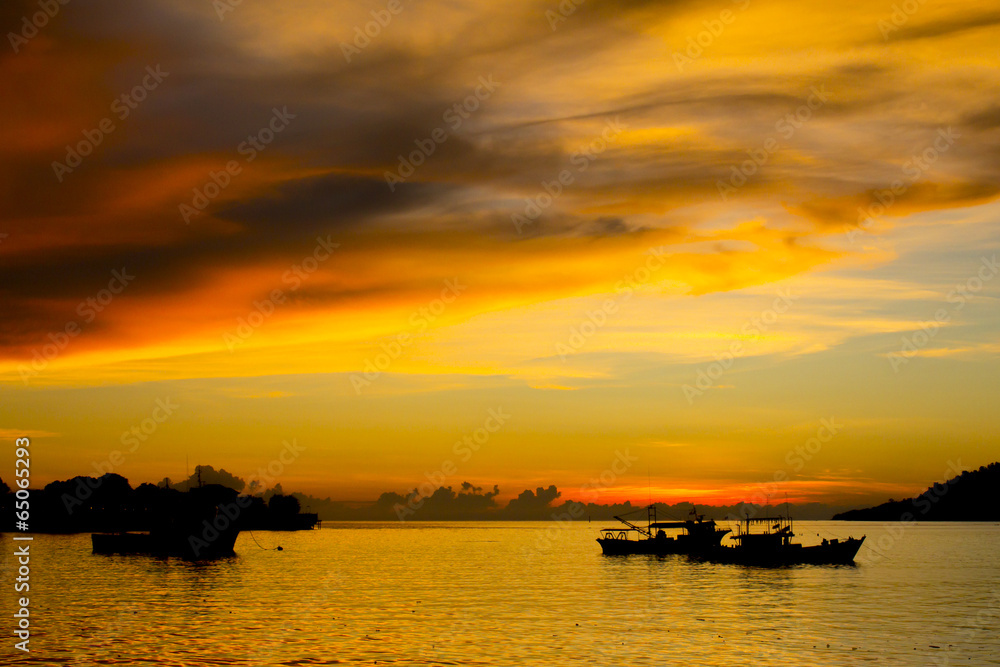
point(699, 232)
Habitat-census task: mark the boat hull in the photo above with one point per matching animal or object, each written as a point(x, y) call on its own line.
point(836, 552)
point(184, 545)
point(662, 546)
point(612, 547)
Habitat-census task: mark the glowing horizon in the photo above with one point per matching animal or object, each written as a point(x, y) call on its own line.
point(696, 232)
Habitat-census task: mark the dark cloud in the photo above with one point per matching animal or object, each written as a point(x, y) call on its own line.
point(985, 120)
point(206, 475)
point(325, 203)
point(945, 28)
point(443, 503)
point(528, 505)
point(477, 505)
point(324, 173)
point(283, 223)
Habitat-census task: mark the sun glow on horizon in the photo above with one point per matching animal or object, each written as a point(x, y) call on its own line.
point(694, 257)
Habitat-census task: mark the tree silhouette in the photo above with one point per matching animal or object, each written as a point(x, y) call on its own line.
point(283, 505)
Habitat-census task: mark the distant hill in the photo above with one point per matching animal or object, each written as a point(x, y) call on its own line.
point(972, 496)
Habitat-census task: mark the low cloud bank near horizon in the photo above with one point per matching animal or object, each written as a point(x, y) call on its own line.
point(467, 503)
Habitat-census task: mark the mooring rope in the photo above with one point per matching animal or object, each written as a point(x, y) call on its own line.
point(277, 548)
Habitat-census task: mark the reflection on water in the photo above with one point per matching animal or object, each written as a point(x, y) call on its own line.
point(515, 593)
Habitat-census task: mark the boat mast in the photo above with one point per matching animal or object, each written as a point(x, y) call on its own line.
point(788, 515)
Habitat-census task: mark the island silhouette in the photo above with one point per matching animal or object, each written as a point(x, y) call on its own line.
point(970, 496)
point(109, 504)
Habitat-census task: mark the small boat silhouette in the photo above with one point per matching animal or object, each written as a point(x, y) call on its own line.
point(696, 536)
point(768, 541)
point(196, 528)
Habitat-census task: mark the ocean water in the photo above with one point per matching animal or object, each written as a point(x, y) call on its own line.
point(512, 594)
